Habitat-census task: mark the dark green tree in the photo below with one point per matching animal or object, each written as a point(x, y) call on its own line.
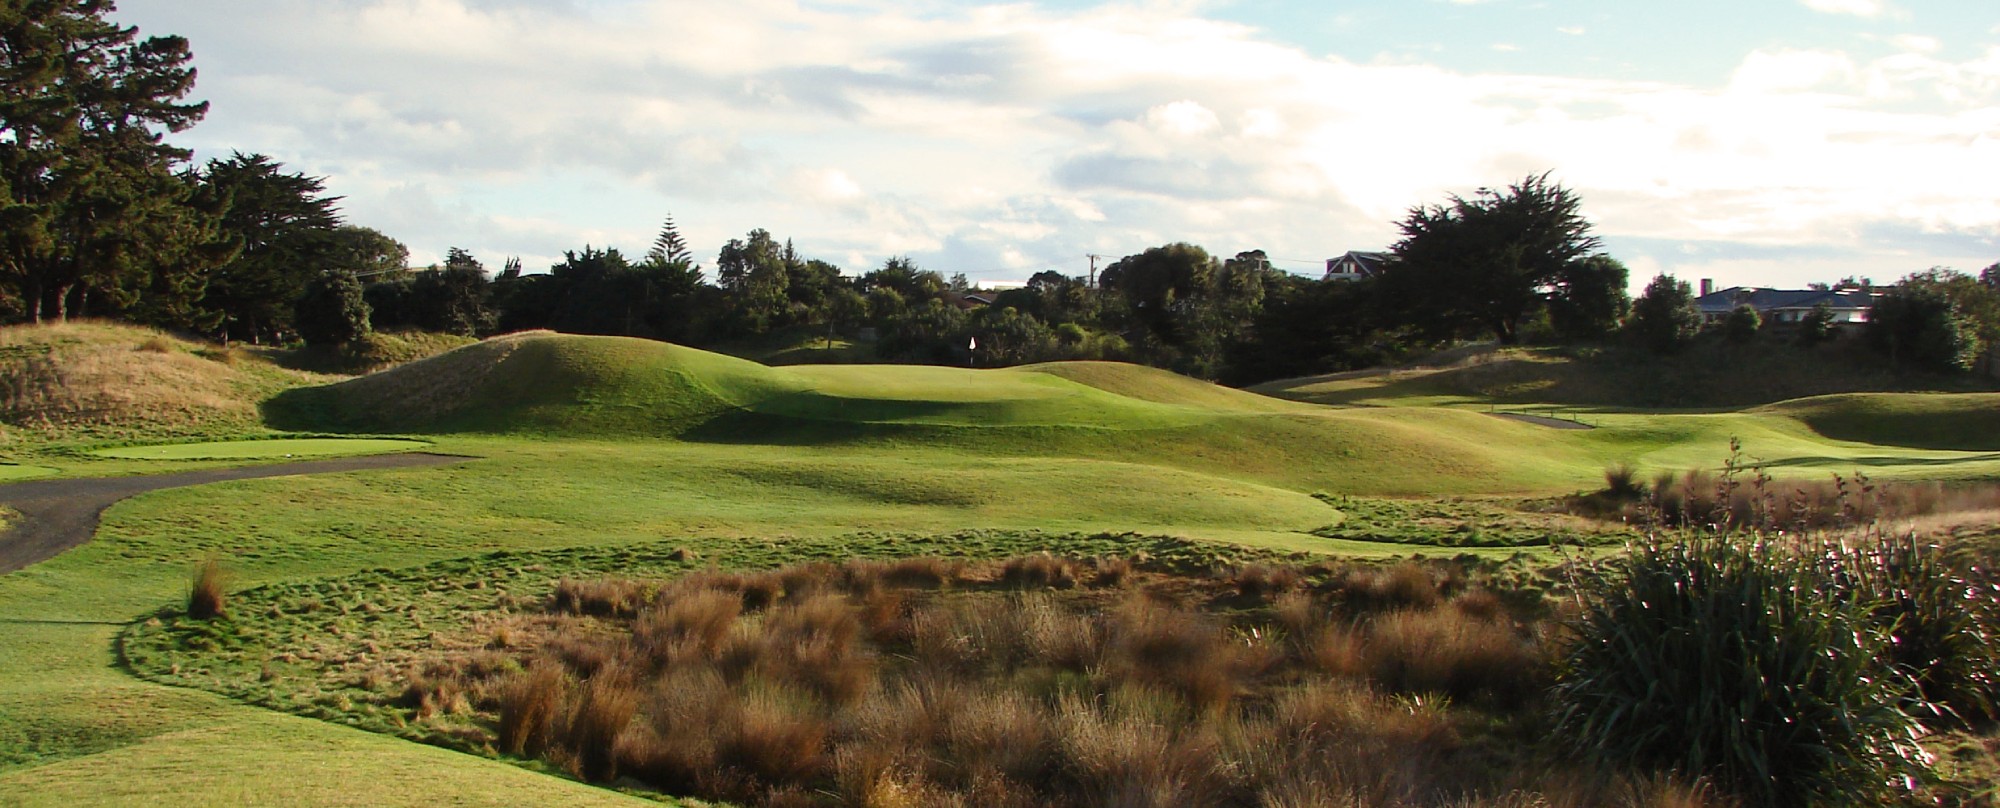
point(1741, 325)
point(1933, 320)
point(911, 284)
point(454, 298)
point(1817, 326)
point(87, 193)
point(287, 227)
point(669, 247)
point(368, 253)
point(1492, 261)
point(754, 277)
point(332, 311)
point(1590, 302)
point(1664, 318)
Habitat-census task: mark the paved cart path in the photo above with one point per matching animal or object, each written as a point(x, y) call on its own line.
point(57, 515)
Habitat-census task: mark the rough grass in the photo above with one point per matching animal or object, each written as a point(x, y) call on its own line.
point(99, 380)
point(1461, 523)
point(1038, 681)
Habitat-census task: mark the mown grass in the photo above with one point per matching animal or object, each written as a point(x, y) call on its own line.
point(276, 448)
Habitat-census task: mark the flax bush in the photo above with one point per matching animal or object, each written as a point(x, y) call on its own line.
point(1738, 658)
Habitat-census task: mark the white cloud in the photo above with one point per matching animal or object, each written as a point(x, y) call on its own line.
point(1572, 30)
point(1185, 118)
point(1505, 47)
point(1014, 137)
point(1858, 8)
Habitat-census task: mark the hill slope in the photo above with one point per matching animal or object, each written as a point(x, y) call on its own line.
point(1962, 421)
point(608, 387)
point(1711, 374)
point(118, 381)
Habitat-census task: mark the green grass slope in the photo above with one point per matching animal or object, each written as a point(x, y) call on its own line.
point(1711, 374)
point(1962, 421)
point(615, 386)
point(535, 383)
point(606, 388)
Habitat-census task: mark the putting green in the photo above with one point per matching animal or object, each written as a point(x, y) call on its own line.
point(10, 472)
point(263, 449)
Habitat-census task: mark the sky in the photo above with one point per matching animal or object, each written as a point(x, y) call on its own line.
point(1752, 142)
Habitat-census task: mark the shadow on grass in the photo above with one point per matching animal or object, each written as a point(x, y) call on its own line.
point(1878, 461)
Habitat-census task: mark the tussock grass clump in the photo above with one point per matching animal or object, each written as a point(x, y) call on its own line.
point(208, 591)
point(1023, 682)
point(529, 705)
point(1731, 499)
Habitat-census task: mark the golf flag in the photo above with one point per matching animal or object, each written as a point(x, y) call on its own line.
point(972, 343)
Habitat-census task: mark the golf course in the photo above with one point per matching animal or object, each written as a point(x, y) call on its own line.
point(570, 458)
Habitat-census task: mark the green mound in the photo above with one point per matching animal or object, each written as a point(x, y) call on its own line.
point(619, 388)
point(1161, 387)
point(616, 386)
point(537, 383)
point(1953, 421)
point(262, 449)
point(1711, 374)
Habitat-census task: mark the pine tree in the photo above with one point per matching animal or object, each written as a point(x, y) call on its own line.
point(670, 248)
point(85, 166)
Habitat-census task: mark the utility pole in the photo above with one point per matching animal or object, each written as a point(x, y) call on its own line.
point(1093, 267)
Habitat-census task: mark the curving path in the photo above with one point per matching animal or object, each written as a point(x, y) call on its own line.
point(57, 515)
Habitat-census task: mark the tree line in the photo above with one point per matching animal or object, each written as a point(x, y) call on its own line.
point(103, 218)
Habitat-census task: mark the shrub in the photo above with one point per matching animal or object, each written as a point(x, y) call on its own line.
point(206, 593)
point(1741, 325)
point(157, 344)
point(1730, 657)
point(1939, 625)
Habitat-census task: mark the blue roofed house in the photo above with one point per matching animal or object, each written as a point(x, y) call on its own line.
point(1786, 306)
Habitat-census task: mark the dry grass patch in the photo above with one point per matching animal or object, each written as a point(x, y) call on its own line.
point(1036, 681)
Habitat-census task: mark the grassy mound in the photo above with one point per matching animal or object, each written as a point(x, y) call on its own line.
point(1709, 374)
point(536, 383)
point(607, 387)
point(1161, 387)
point(115, 381)
point(1966, 422)
point(602, 386)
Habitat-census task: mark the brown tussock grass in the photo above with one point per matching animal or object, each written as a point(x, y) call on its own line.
point(529, 705)
point(208, 592)
point(870, 684)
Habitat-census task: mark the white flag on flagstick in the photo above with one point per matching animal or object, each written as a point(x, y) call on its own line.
point(972, 343)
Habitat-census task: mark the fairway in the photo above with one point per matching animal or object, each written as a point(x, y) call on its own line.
point(10, 472)
point(262, 449)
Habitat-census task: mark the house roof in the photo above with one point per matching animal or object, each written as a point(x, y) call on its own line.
point(1356, 263)
point(1762, 300)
